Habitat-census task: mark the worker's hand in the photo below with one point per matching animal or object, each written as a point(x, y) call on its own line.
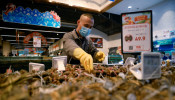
point(100, 56)
point(85, 58)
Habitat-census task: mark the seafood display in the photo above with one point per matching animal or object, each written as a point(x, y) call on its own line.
point(103, 83)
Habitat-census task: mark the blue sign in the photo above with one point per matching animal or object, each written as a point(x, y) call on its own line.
point(28, 16)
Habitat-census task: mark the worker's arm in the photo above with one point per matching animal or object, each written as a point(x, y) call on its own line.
point(98, 55)
point(69, 44)
point(85, 58)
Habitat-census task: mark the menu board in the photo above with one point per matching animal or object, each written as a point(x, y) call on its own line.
point(136, 32)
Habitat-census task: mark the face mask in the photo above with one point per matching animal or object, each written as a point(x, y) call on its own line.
point(84, 31)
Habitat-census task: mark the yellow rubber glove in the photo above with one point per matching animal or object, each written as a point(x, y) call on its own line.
point(85, 58)
point(100, 56)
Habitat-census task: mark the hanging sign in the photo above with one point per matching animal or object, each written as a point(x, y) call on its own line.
point(29, 36)
point(28, 16)
point(36, 41)
point(136, 32)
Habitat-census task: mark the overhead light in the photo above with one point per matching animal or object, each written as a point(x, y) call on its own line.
point(52, 38)
point(31, 30)
point(26, 44)
point(50, 42)
point(157, 46)
point(12, 36)
point(129, 7)
point(12, 40)
point(13, 43)
point(35, 47)
point(22, 41)
point(25, 36)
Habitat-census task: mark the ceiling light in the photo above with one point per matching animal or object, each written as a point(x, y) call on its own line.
point(25, 36)
point(50, 42)
point(26, 44)
point(129, 7)
point(22, 41)
point(31, 30)
point(12, 40)
point(13, 43)
point(52, 38)
point(12, 36)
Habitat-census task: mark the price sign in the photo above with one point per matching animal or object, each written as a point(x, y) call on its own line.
point(136, 32)
point(36, 67)
point(36, 41)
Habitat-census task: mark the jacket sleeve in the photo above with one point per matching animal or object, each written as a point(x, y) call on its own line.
point(69, 44)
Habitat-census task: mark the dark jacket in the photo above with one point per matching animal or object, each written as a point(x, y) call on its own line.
point(71, 41)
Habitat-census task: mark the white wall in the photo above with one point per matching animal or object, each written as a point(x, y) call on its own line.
point(99, 34)
point(114, 40)
point(164, 16)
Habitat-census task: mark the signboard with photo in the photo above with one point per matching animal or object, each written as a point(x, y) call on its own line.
point(98, 42)
point(137, 32)
point(115, 55)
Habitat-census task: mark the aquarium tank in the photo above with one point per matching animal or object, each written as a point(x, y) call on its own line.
point(164, 43)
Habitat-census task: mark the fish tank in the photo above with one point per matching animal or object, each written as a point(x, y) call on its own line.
point(164, 42)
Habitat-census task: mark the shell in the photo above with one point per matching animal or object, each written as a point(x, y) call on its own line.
point(103, 83)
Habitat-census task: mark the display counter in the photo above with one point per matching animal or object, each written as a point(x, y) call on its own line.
point(112, 83)
point(18, 63)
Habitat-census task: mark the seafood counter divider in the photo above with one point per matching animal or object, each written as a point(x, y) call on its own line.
point(103, 83)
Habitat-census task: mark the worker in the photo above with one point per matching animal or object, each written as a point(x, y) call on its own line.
point(79, 48)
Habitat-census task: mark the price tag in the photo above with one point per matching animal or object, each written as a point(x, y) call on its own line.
point(149, 67)
point(36, 67)
point(59, 62)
